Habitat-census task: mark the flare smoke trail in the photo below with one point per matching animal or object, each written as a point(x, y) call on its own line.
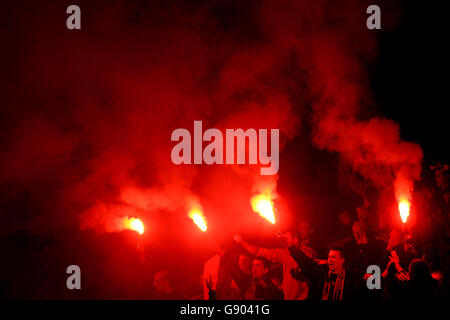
point(88, 115)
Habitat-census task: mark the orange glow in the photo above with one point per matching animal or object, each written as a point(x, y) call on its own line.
point(264, 206)
point(403, 208)
point(198, 218)
point(134, 224)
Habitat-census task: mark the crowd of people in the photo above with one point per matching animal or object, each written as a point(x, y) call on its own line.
point(411, 266)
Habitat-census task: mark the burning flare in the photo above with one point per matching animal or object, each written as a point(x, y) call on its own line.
point(403, 208)
point(198, 218)
point(134, 224)
point(263, 204)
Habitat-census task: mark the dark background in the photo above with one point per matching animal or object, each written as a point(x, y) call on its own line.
point(410, 77)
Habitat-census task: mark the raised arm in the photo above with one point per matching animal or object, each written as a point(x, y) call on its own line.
point(242, 279)
point(247, 246)
point(307, 265)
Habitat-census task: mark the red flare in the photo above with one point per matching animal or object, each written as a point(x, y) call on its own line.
point(198, 218)
point(134, 224)
point(263, 204)
point(403, 208)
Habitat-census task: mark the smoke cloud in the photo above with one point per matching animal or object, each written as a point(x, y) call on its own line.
point(88, 114)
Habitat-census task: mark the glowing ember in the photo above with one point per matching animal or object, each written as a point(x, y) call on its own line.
point(134, 224)
point(198, 219)
point(263, 205)
point(403, 208)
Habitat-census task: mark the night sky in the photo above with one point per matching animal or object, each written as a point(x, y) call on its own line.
point(409, 77)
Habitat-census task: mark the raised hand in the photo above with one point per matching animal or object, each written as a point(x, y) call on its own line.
point(209, 283)
point(394, 257)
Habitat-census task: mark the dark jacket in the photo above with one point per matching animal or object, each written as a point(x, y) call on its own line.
point(319, 275)
point(229, 270)
point(359, 257)
point(263, 289)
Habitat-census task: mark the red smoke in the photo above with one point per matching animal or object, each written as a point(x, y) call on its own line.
point(91, 135)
